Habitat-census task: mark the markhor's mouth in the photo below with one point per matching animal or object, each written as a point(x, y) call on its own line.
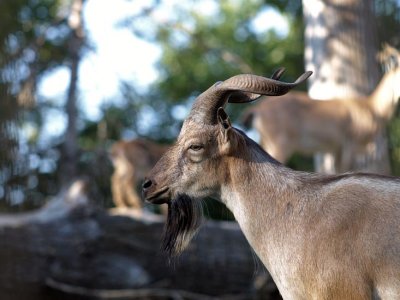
point(160, 197)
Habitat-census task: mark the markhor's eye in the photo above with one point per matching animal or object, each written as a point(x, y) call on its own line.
point(196, 147)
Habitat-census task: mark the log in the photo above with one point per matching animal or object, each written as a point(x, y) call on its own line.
point(72, 247)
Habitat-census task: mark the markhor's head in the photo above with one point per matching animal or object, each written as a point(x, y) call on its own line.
point(198, 164)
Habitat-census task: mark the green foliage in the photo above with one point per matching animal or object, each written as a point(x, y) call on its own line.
point(388, 22)
point(394, 143)
point(199, 50)
point(33, 37)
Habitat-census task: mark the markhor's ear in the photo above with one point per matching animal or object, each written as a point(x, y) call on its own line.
point(225, 129)
point(223, 118)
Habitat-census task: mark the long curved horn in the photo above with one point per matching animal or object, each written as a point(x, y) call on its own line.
point(240, 89)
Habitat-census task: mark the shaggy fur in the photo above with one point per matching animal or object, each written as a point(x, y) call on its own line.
point(184, 218)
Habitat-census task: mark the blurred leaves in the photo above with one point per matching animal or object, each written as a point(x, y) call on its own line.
point(199, 50)
point(388, 21)
point(394, 142)
point(33, 40)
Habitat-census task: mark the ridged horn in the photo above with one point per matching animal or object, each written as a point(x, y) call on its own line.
point(241, 88)
point(278, 73)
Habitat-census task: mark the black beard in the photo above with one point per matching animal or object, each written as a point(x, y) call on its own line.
point(184, 218)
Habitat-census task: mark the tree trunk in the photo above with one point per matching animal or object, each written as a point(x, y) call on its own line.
point(341, 49)
point(76, 41)
point(69, 246)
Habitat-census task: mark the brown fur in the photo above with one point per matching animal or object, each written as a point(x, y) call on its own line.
point(132, 160)
point(346, 128)
point(320, 236)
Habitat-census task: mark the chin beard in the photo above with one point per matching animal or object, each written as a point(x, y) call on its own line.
point(184, 218)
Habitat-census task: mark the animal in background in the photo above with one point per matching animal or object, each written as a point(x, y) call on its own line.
point(295, 123)
point(320, 236)
point(132, 160)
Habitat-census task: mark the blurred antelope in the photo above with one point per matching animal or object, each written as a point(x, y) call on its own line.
point(343, 127)
point(132, 160)
point(320, 236)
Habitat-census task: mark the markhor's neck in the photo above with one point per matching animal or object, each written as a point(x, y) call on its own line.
point(259, 190)
point(265, 200)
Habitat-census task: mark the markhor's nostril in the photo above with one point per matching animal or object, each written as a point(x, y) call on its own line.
point(147, 183)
